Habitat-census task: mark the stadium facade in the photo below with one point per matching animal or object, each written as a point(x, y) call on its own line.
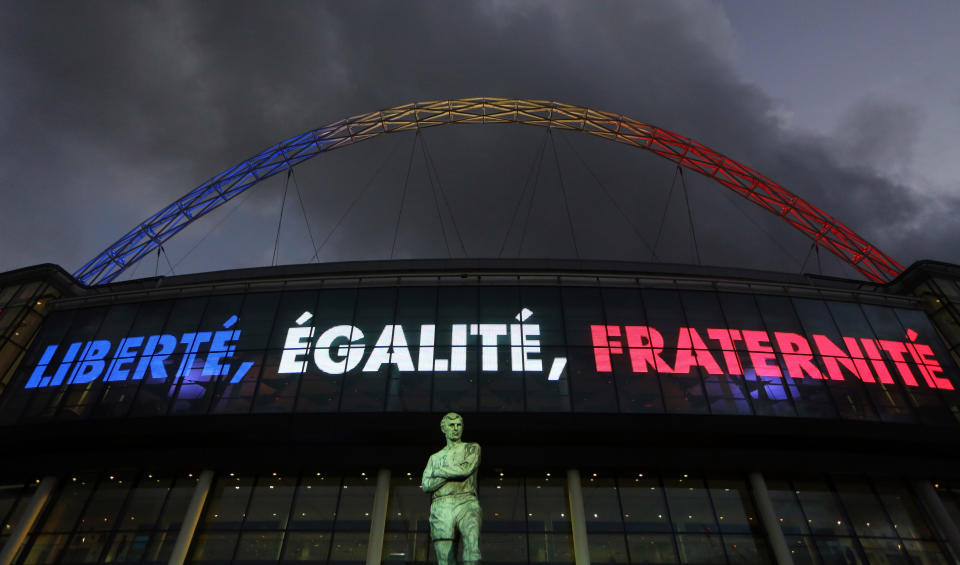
point(628, 413)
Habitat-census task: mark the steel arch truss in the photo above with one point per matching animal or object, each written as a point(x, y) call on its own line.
point(813, 222)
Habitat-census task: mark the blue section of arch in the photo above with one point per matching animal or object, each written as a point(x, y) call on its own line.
point(166, 223)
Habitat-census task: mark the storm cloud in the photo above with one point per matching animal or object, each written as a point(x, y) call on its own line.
point(109, 111)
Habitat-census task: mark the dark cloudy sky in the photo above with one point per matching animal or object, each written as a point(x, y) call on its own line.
point(109, 111)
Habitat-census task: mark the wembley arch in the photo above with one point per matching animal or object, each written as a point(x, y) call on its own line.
point(816, 224)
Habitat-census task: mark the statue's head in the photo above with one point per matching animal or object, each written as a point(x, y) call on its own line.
point(452, 426)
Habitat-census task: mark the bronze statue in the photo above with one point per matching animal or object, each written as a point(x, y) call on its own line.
point(451, 477)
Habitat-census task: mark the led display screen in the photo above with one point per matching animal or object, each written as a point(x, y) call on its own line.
point(488, 348)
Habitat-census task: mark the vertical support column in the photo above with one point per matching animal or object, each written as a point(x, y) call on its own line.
point(378, 519)
point(578, 519)
point(933, 504)
point(769, 518)
point(192, 518)
point(29, 518)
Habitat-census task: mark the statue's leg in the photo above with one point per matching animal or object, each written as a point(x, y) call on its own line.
point(469, 522)
point(443, 530)
point(446, 552)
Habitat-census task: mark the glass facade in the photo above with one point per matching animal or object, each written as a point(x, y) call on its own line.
point(488, 349)
point(22, 309)
point(854, 520)
point(644, 518)
point(111, 517)
point(630, 517)
point(589, 352)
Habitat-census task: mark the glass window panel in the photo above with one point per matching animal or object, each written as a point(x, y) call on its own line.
point(219, 310)
point(740, 311)
point(651, 548)
point(259, 547)
point(747, 549)
point(544, 395)
point(104, 506)
point(547, 504)
point(643, 503)
point(726, 394)
point(408, 514)
point(926, 552)
point(9, 317)
point(257, 320)
point(623, 306)
point(504, 508)
point(349, 547)
point(408, 509)
point(850, 319)
point(306, 546)
point(499, 305)
point(185, 316)
point(864, 509)
point(116, 398)
point(69, 503)
point(591, 391)
point(85, 324)
point(408, 391)
point(356, 503)
point(802, 549)
point(683, 394)
point(237, 398)
point(918, 322)
point(689, 505)
point(908, 518)
point(703, 310)
point(289, 309)
point(787, 507)
point(7, 293)
point(177, 502)
point(210, 547)
point(500, 390)
point(582, 307)
point(455, 391)
point(547, 308)
point(26, 328)
point(502, 547)
point(550, 548)
point(376, 307)
point(128, 547)
point(601, 505)
point(143, 506)
point(46, 548)
point(884, 321)
point(821, 508)
point(227, 502)
point(85, 547)
point(319, 391)
point(315, 506)
point(700, 549)
point(733, 505)
point(276, 391)
point(270, 503)
point(363, 391)
point(664, 312)
point(638, 392)
point(884, 551)
point(117, 322)
point(151, 317)
point(13, 501)
point(154, 394)
point(27, 290)
point(455, 305)
point(160, 548)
